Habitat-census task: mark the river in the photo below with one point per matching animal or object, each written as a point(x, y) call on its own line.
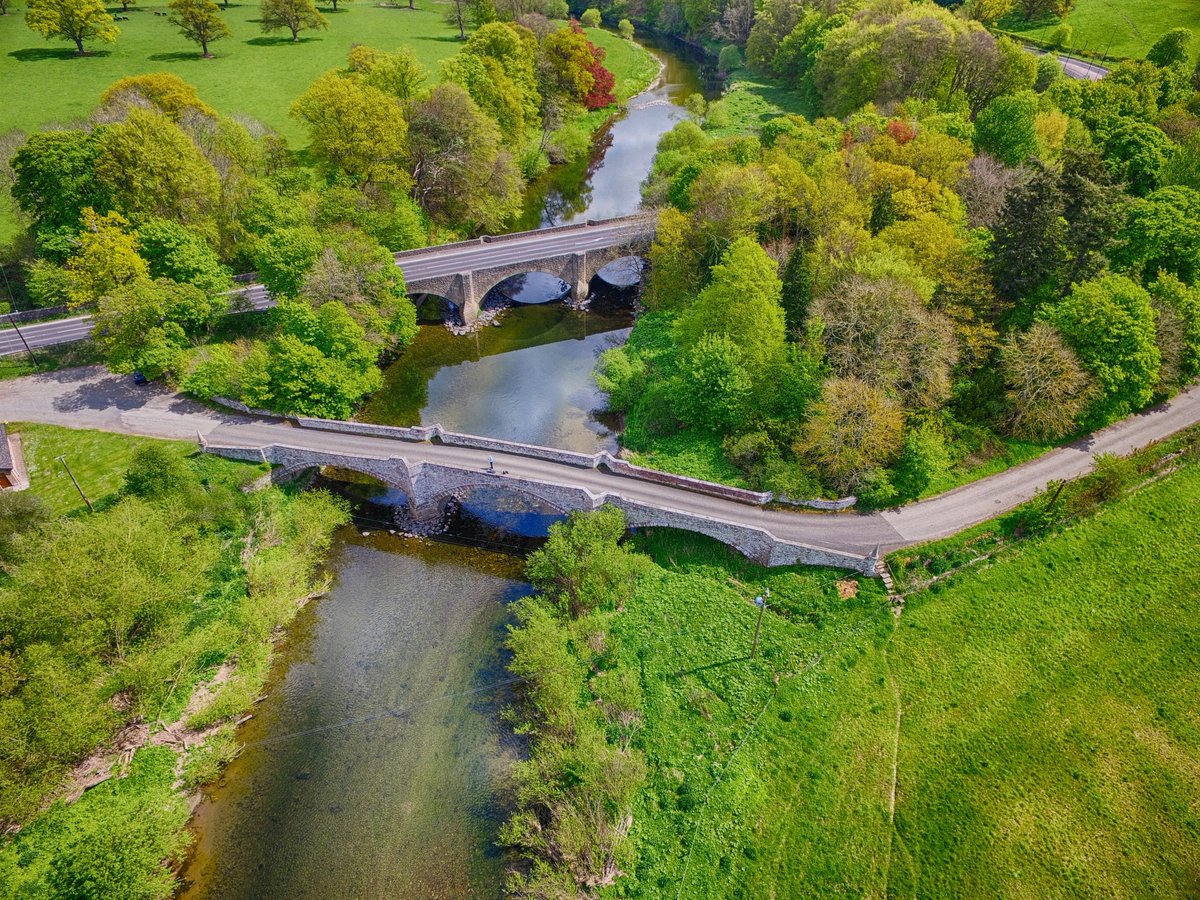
point(374, 765)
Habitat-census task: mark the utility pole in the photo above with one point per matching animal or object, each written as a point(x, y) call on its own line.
point(28, 349)
point(63, 459)
point(762, 605)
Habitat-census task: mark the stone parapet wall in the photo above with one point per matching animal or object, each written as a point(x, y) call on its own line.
point(428, 484)
point(614, 464)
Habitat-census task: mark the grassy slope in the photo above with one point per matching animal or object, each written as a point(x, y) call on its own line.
point(1050, 741)
point(1118, 27)
point(97, 459)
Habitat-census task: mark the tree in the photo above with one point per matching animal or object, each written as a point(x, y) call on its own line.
point(199, 21)
point(923, 461)
point(145, 325)
point(152, 169)
point(714, 386)
point(741, 302)
point(107, 258)
point(157, 471)
point(590, 18)
point(675, 270)
point(463, 175)
point(55, 179)
point(457, 14)
point(48, 284)
point(583, 565)
point(854, 429)
point(1138, 152)
point(1162, 233)
point(1109, 323)
point(1048, 389)
point(166, 92)
point(483, 12)
point(1006, 128)
point(729, 59)
point(880, 332)
point(398, 74)
point(173, 251)
point(21, 512)
point(1030, 245)
point(290, 15)
point(284, 258)
point(354, 128)
point(1173, 48)
point(72, 20)
point(1041, 9)
point(1178, 308)
point(625, 27)
point(603, 81)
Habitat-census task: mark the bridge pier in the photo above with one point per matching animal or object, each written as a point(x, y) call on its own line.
point(577, 276)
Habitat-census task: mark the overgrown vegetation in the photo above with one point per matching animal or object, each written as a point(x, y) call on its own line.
point(969, 258)
point(108, 620)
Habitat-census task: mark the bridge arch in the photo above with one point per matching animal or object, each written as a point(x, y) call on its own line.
point(433, 308)
point(533, 287)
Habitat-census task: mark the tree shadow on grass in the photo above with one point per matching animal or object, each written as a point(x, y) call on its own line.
point(40, 54)
point(179, 56)
point(276, 41)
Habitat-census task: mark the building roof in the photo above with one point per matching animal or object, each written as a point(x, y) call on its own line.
point(6, 459)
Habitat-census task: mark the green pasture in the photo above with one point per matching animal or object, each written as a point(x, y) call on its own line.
point(1115, 27)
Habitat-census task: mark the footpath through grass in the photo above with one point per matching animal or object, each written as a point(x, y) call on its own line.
point(1113, 27)
point(1047, 742)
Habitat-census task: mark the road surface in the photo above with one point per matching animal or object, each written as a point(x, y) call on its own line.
point(432, 262)
point(1083, 69)
point(92, 398)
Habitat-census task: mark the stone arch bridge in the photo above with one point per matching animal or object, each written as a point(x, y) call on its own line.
point(464, 272)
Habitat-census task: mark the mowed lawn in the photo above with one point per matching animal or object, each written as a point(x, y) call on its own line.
point(1117, 27)
point(1048, 743)
point(253, 74)
point(98, 460)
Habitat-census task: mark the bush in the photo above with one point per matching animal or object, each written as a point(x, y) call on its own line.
point(158, 471)
point(1060, 37)
point(626, 29)
point(730, 59)
point(590, 18)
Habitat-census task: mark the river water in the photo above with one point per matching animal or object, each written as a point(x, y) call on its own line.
point(374, 766)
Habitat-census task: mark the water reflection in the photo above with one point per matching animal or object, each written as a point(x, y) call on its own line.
point(531, 379)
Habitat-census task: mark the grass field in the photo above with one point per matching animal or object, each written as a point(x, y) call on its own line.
point(1048, 743)
point(1116, 27)
point(98, 460)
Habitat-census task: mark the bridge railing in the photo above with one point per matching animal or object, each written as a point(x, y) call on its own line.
point(603, 459)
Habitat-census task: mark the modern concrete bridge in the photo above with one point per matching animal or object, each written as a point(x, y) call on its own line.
point(463, 272)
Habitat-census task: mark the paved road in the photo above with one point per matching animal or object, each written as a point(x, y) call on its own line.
point(1083, 69)
point(434, 262)
point(92, 398)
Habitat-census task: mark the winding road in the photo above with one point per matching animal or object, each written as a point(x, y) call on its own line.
point(93, 398)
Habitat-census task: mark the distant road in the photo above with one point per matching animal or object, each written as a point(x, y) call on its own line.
point(1083, 69)
point(432, 262)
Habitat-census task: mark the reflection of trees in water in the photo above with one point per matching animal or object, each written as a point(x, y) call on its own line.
point(433, 308)
point(568, 189)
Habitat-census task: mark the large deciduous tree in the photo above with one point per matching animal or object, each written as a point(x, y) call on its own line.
point(55, 180)
point(854, 429)
point(880, 332)
point(290, 15)
point(152, 169)
point(165, 91)
point(72, 20)
point(1006, 128)
point(106, 259)
point(1048, 390)
point(354, 128)
point(462, 172)
point(1109, 323)
point(199, 21)
point(741, 302)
